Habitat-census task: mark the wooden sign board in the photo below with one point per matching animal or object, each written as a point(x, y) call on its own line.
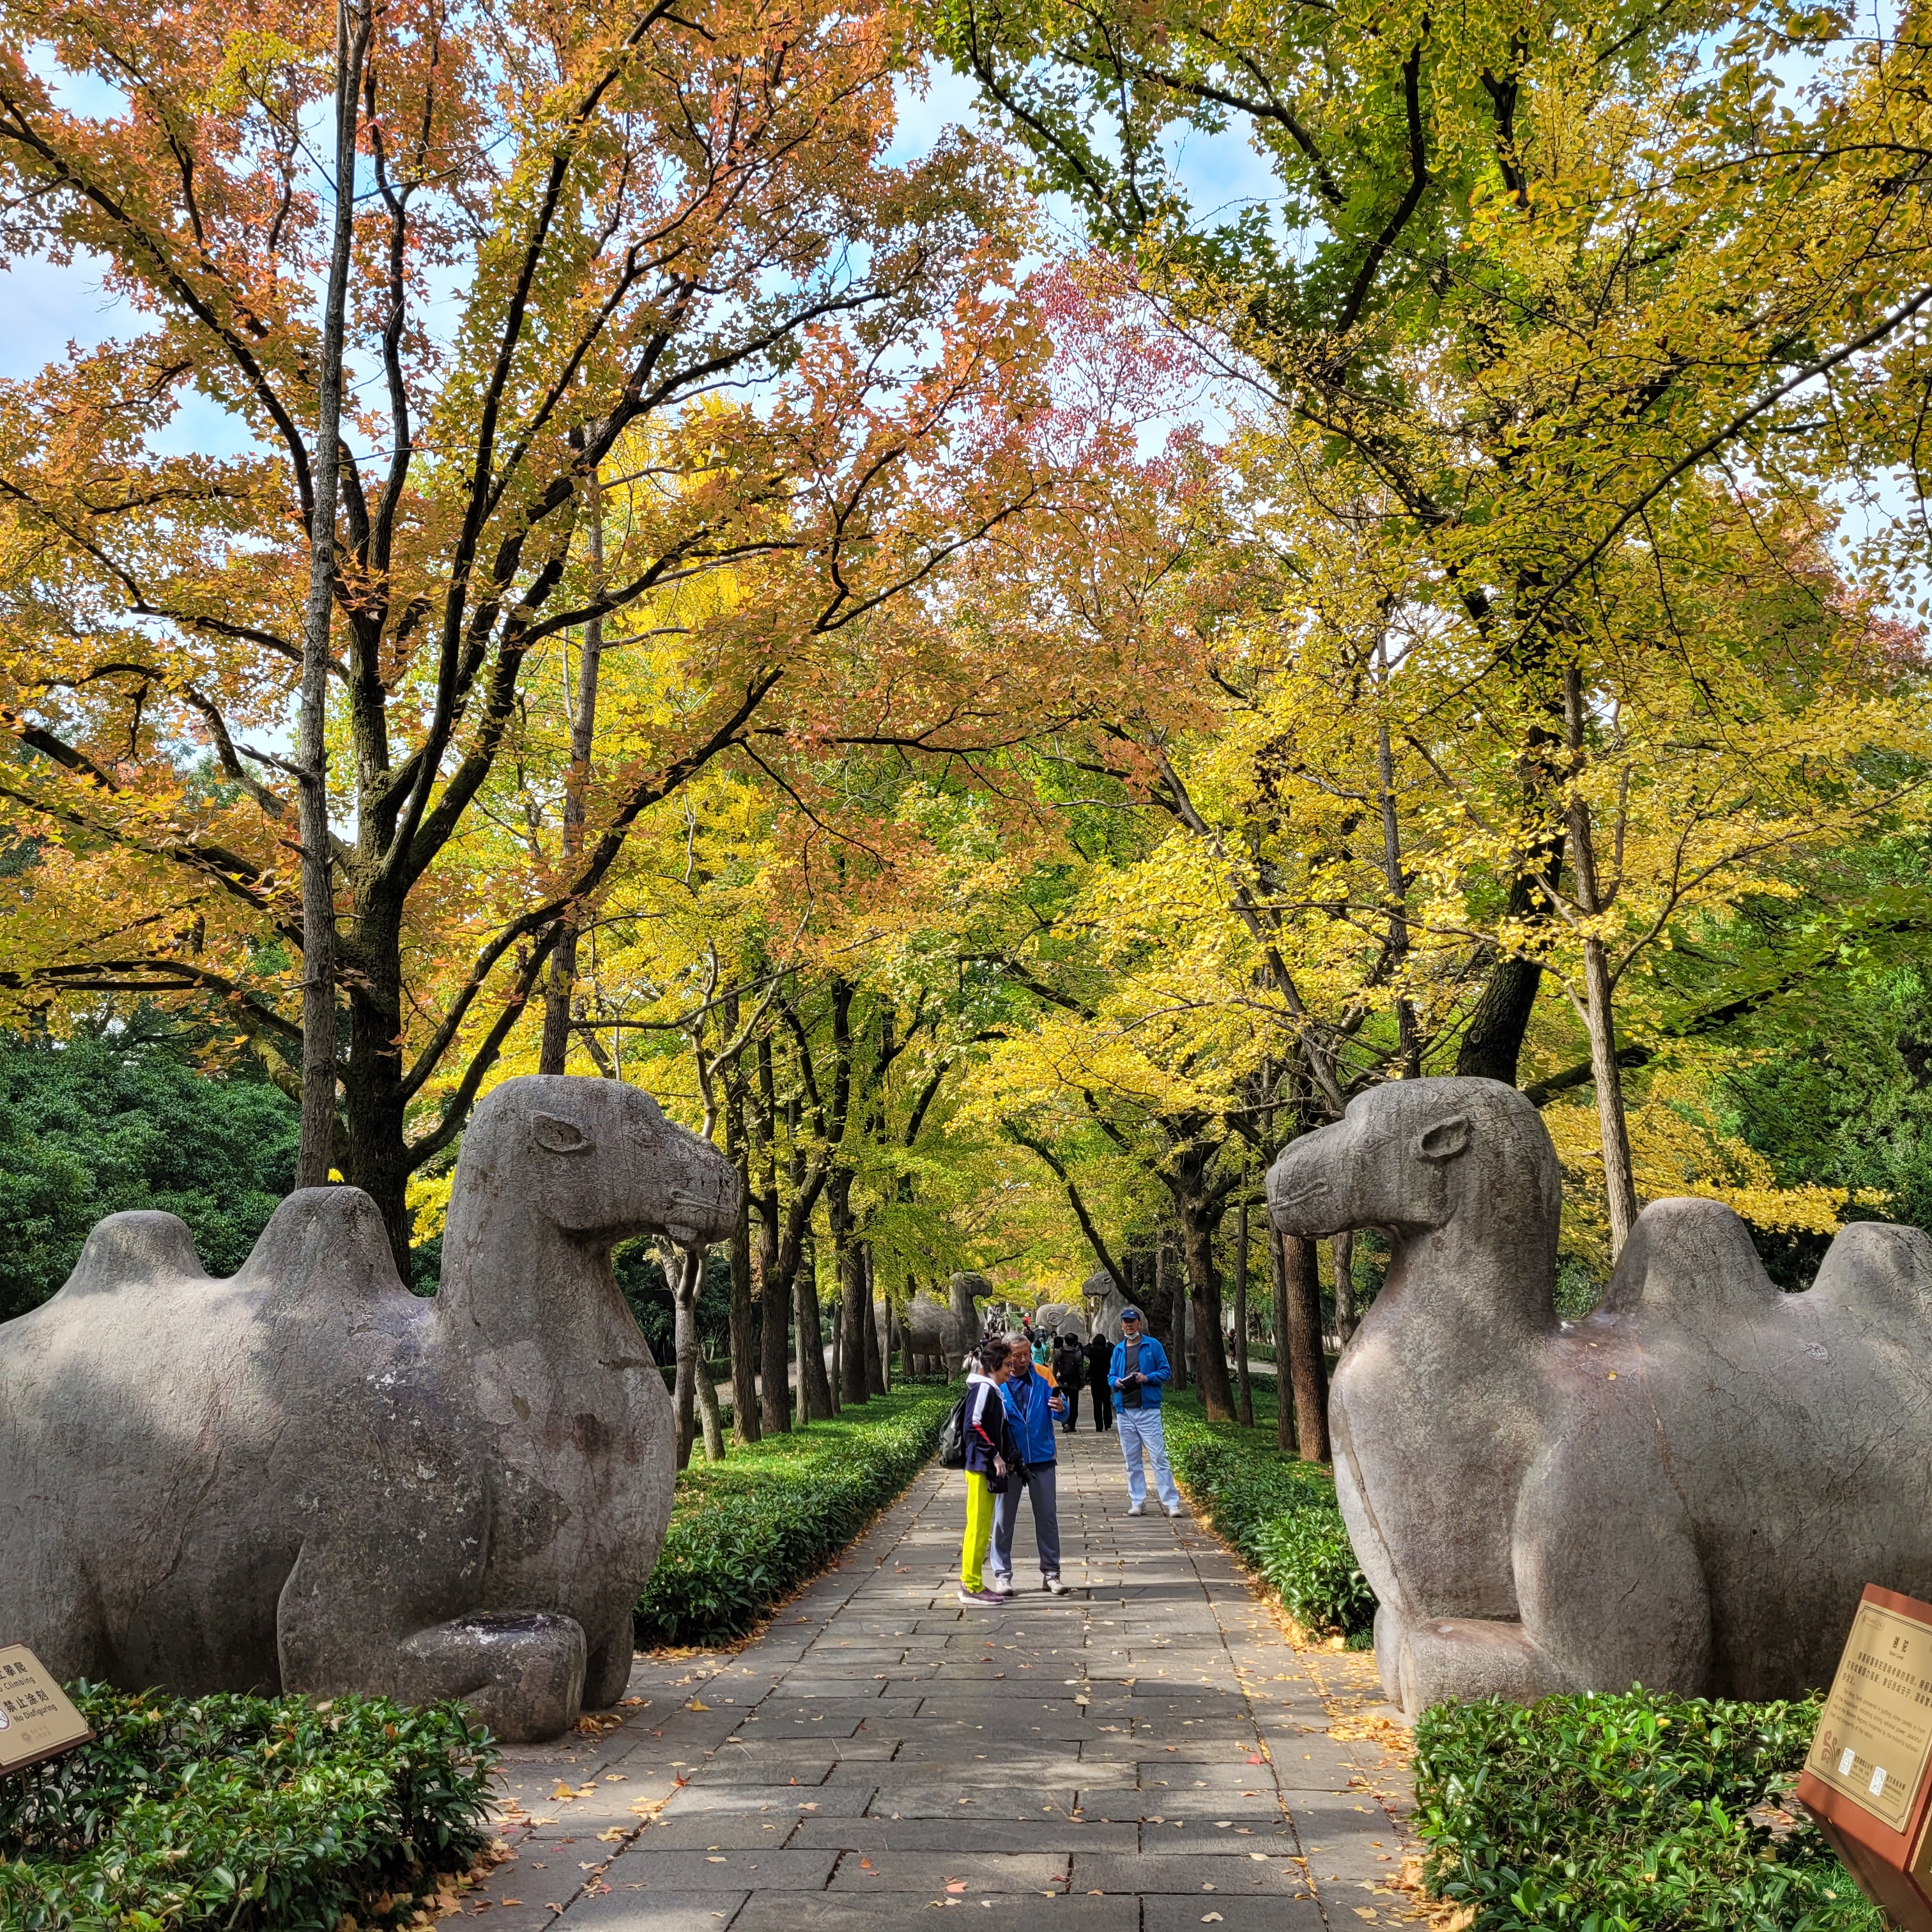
point(1867, 1779)
point(37, 1721)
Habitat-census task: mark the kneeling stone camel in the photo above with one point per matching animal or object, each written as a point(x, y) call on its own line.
point(1688, 1489)
point(306, 1477)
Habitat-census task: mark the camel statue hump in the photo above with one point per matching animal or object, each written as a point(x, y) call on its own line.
point(134, 1249)
point(1876, 1269)
point(325, 1245)
point(1690, 1260)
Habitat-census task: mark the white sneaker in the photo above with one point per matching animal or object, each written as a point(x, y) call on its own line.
point(1055, 1587)
point(1000, 1586)
point(1137, 1509)
point(1175, 1510)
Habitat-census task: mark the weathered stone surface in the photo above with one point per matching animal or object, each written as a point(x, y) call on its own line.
point(307, 1478)
point(1060, 1318)
point(1689, 1489)
point(1105, 1297)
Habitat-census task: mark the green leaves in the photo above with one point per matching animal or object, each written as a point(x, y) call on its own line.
point(1625, 1814)
point(745, 1531)
point(258, 1814)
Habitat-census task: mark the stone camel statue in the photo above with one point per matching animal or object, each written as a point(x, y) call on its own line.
point(1688, 1489)
point(306, 1478)
point(1106, 1298)
point(1060, 1318)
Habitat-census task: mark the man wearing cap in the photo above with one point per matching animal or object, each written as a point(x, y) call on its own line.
point(1139, 1372)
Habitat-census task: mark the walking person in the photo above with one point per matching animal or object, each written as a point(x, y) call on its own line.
point(1033, 1405)
point(992, 1454)
point(1070, 1371)
point(1100, 1360)
point(1139, 1371)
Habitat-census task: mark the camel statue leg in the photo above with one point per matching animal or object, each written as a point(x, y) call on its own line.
point(1607, 1572)
point(608, 1674)
point(521, 1671)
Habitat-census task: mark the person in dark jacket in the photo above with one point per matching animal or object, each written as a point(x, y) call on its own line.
point(992, 1463)
point(1100, 1360)
point(1070, 1371)
point(1033, 1406)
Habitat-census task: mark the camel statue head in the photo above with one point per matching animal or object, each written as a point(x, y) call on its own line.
point(1418, 1156)
point(594, 1159)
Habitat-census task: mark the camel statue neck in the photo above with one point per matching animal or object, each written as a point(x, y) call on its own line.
point(512, 1281)
point(1485, 1274)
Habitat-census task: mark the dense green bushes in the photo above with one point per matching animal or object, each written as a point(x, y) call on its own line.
point(249, 1813)
point(1280, 1514)
point(745, 1531)
point(95, 1124)
point(1627, 1814)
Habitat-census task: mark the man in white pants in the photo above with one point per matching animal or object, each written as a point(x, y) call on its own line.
point(1140, 1370)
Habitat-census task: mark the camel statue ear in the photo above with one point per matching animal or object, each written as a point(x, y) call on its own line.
point(558, 1136)
point(1445, 1140)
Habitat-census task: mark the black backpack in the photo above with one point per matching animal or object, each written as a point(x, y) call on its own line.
point(953, 1437)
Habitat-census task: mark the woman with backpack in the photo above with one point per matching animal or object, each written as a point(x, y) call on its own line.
point(992, 1458)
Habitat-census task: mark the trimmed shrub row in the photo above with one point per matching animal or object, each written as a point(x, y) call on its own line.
point(746, 1531)
point(254, 1814)
point(1631, 1814)
point(1280, 1514)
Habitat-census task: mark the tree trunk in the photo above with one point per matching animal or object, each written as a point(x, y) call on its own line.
point(316, 1151)
point(744, 1344)
point(849, 1265)
point(815, 1386)
point(905, 1334)
point(1600, 1015)
point(838, 1336)
point(683, 1270)
point(1284, 1390)
point(774, 1294)
point(555, 1052)
point(1342, 1251)
point(709, 1415)
point(1211, 1357)
point(1174, 1295)
point(878, 1355)
point(1244, 1394)
point(1308, 1369)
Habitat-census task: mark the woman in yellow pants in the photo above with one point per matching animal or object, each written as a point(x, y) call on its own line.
point(989, 1468)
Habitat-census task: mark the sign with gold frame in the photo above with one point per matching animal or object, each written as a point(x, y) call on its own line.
point(37, 1720)
point(1867, 1778)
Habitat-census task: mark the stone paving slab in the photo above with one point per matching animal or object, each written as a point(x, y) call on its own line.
point(1144, 1754)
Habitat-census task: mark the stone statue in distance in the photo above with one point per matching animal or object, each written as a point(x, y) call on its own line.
point(1688, 1489)
point(306, 1478)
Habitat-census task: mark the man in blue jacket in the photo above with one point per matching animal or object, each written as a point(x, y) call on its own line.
point(1139, 1372)
point(1033, 1406)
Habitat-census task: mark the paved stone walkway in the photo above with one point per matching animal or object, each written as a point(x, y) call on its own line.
point(1143, 1754)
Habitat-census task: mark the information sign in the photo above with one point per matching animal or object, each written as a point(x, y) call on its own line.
point(37, 1721)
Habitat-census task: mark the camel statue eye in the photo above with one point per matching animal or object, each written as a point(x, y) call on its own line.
point(557, 1136)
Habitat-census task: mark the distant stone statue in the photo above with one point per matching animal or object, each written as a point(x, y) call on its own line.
point(306, 1478)
point(1059, 1318)
point(1105, 1297)
point(1688, 1489)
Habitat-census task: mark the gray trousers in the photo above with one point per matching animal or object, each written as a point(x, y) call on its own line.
point(1041, 1485)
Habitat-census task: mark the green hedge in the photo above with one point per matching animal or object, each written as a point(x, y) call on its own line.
point(1627, 1813)
point(746, 1531)
point(1280, 1514)
point(252, 1814)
